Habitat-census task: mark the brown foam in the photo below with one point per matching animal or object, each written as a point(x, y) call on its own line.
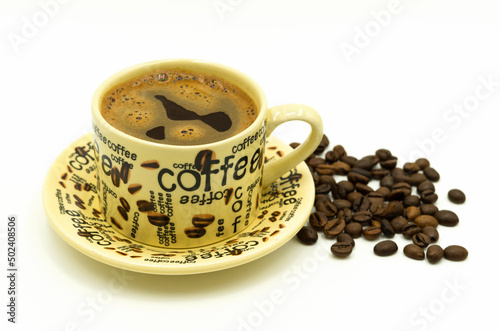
point(138, 107)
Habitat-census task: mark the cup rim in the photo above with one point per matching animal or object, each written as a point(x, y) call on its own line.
point(243, 81)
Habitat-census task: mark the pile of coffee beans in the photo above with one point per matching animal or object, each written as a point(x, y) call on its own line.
point(348, 209)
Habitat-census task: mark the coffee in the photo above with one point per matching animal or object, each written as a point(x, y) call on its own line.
point(178, 107)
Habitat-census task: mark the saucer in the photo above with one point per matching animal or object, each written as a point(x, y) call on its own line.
point(71, 203)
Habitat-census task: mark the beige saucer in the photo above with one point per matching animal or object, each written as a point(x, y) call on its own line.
point(72, 208)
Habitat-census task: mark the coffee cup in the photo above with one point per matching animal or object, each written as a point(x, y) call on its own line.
point(179, 149)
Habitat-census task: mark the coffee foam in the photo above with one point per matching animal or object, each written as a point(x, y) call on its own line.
point(187, 108)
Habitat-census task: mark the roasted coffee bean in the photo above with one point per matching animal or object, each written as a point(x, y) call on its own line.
point(411, 200)
point(456, 196)
point(202, 220)
point(376, 200)
point(367, 162)
point(341, 249)
point(344, 187)
point(383, 154)
point(455, 253)
point(346, 238)
point(323, 144)
point(361, 171)
point(350, 160)
point(401, 178)
point(158, 219)
point(411, 168)
point(339, 151)
point(340, 168)
point(390, 163)
point(316, 161)
point(384, 192)
point(416, 179)
point(380, 173)
point(434, 254)
point(398, 172)
point(325, 169)
point(412, 212)
point(411, 229)
point(353, 196)
point(334, 227)
point(363, 217)
point(342, 203)
point(426, 186)
point(422, 163)
point(398, 194)
point(361, 204)
point(195, 232)
point(426, 220)
point(431, 232)
point(355, 177)
point(393, 209)
point(399, 223)
point(318, 220)
point(405, 187)
point(323, 189)
point(431, 174)
point(421, 240)
point(385, 248)
point(326, 179)
point(372, 232)
point(346, 214)
point(354, 229)
point(428, 197)
point(330, 157)
point(446, 217)
point(414, 252)
point(307, 235)
point(428, 209)
point(327, 207)
point(363, 188)
point(387, 181)
point(387, 228)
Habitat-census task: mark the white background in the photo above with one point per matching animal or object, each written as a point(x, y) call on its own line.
point(390, 74)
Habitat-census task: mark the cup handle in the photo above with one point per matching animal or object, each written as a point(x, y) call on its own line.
point(292, 112)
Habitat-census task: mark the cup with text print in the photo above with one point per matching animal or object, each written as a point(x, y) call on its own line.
point(179, 150)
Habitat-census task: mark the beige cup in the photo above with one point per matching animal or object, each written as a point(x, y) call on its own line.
point(174, 196)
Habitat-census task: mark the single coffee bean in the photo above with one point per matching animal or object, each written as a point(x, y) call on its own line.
point(318, 220)
point(372, 232)
point(383, 154)
point(431, 232)
point(387, 228)
point(385, 248)
point(334, 227)
point(322, 145)
point(346, 214)
point(411, 229)
point(414, 252)
point(390, 163)
point(387, 181)
point(426, 186)
point(316, 161)
point(412, 212)
point(405, 187)
point(434, 254)
point(396, 194)
point(361, 204)
point(401, 178)
point(367, 162)
point(330, 157)
point(393, 209)
point(455, 253)
point(425, 220)
point(416, 179)
point(431, 174)
point(384, 192)
point(399, 223)
point(339, 151)
point(346, 185)
point(325, 169)
point(411, 168)
point(428, 209)
point(380, 173)
point(364, 172)
point(326, 179)
point(353, 196)
point(446, 217)
point(355, 177)
point(350, 160)
point(342, 203)
point(323, 189)
point(341, 249)
point(363, 217)
point(376, 200)
point(354, 229)
point(456, 196)
point(340, 168)
point(327, 208)
point(411, 200)
point(346, 238)
point(307, 235)
point(363, 188)
point(421, 240)
point(428, 197)
point(422, 163)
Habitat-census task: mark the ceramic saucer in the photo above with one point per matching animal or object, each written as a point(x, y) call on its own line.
point(71, 204)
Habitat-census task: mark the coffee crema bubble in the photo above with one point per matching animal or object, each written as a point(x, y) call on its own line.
point(178, 107)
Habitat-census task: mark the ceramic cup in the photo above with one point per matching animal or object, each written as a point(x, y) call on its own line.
point(180, 196)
